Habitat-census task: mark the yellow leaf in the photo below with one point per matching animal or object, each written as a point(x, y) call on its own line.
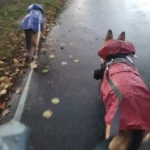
point(5, 112)
point(47, 114)
point(55, 100)
point(16, 61)
point(45, 71)
point(7, 85)
point(43, 49)
point(2, 92)
point(64, 63)
point(52, 56)
point(18, 91)
point(33, 65)
point(3, 78)
point(76, 60)
point(17, 70)
point(1, 62)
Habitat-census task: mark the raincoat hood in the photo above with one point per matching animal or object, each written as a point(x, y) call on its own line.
point(116, 47)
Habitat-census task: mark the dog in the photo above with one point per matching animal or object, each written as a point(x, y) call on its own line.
point(30, 25)
point(134, 121)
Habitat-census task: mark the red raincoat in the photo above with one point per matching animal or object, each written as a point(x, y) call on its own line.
point(135, 107)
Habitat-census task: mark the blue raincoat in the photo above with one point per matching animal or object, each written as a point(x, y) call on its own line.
point(31, 20)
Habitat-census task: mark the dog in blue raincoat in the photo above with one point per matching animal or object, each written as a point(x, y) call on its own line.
point(33, 23)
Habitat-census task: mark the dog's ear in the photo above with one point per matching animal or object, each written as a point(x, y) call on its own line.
point(122, 36)
point(109, 35)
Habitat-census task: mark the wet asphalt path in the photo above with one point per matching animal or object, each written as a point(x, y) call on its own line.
point(77, 121)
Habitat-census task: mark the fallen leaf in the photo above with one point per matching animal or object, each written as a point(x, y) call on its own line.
point(6, 73)
point(3, 78)
point(17, 70)
point(33, 65)
point(2, 92)
point(52, 56)
point(45, 71)
point(55, 100)
point(43, 49)
point(1, 62)
point(76, 60)
point(18, 91)
point(16, 61)
point(47, 114)
point(5, 112)
point(64, 63)
point(7, 85)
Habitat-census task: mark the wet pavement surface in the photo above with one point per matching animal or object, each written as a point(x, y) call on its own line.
point(77, 122)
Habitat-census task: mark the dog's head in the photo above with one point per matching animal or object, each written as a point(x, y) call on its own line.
point(109, 38)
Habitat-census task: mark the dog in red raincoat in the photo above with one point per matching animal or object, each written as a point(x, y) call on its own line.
point(134, 118)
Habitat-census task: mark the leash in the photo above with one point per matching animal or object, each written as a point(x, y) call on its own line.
point(21, 105)
point(116, 120)
point(15, 135)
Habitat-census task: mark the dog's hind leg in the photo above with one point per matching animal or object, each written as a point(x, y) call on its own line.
point(121, 141)
point(31, 44)
point(35, 42)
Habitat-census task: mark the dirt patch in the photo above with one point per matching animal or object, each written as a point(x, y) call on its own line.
point(12, 42)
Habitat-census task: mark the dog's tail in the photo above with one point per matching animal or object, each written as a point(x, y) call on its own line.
point(137, 136)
